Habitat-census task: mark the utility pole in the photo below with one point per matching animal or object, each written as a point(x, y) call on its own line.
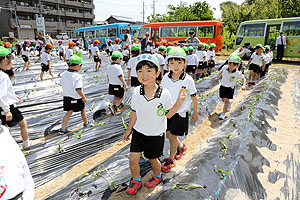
point(153, 6)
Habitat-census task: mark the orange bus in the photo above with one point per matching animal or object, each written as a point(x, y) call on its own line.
point(206, 31)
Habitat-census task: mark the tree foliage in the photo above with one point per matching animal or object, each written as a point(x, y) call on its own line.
point(183, 12)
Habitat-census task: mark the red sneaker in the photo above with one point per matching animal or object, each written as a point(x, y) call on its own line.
point(180, 152)
point(169, 164)
point(134, 187)
point(153, 181)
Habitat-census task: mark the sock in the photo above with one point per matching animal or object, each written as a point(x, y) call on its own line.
point(181, 145)
point(26, 143)
point(137, 179)
point(158, 176)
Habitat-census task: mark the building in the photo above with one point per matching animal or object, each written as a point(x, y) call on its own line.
point(121, 19)
point(61, 16)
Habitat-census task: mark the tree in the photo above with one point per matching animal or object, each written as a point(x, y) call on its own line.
point(289, 8)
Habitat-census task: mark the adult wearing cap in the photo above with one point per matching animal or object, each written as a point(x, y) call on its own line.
point(144, 42)
point(280, 46)
point(9, 113)
point(15, 179)
point(192, 40)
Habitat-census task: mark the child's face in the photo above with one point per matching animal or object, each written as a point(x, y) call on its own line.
point(259, 50)
point(233, 66)
point(202, 48)
point(77, 67)
point(176, 66)
point(6, 63)
point(147, 75)
point(162, 52)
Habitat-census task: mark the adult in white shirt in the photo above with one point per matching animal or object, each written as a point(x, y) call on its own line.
point(127, 38)
point(15, 179)
point(280, 46)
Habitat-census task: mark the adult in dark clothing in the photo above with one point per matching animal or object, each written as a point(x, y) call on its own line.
point(144, 42)
point(280, 46)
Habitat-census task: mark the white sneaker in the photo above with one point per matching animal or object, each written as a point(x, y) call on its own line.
point(222, 116)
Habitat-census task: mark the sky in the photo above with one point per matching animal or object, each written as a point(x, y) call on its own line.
point(134, 8)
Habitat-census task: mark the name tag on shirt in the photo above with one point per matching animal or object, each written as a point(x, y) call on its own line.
point(74, 101)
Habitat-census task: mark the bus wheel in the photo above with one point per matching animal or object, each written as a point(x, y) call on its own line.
point(103, 47)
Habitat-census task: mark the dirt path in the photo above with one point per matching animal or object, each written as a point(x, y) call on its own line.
point(194, 142)
point(279, 179)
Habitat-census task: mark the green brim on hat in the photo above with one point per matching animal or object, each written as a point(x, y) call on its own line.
point(162, 48)
point(135, 47)
point(117, 54)
point(75, 60)
point(4, 51)
point(176, 52)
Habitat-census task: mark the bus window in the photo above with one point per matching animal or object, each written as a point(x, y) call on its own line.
point(252, 30)
point(168, 32)
point(112, 32)
point(101, 33)
point(291, 28)
point(184, 31)
point(206, 31)
point(89, 34)
point(144, 31)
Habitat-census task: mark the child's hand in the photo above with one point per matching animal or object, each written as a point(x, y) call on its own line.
point(126, 135)
point(195, 117)
point(20, 100)
point(215, 80)
point(182, 95)
point(84, 100)
point(8, 116)
point(243, 87)
point(126, 88)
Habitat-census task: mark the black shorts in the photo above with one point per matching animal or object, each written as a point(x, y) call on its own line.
point(90, 51)
point(125, 58)
point(201, 65)
point(190, 68)
point(38, 48)
point(9, 72)
point(25, 58)
point(45, 67)
point(73, 104)
point(61, 54)
point(96, 59)
point(116, 90)
point(226, 92)
point(255, 68)
point(152, 146)
point(205, 65)
point(178, 125)
point(16, 114)
point(165, 71)
point(134, 81)
point(211, 64)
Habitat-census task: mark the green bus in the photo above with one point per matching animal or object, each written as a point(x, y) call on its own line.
point(266, 32)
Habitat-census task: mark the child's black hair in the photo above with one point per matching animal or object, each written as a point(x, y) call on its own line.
point(135, 53)
point(114, 58)
point(72, 65)
point(148, 63)
point(9, 57)
point(24, 47)
point(176, 59)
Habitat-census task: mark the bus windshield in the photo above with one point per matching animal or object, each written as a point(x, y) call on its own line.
point(252, 30)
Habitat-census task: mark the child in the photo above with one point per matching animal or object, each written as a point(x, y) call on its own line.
point(202, 66)
point(45, 61)
point(116, 82)
point(192, 62)
point(256, 62)
point(267, 60)
point(230, 75)
point(211, 58)
point(126, 54)
point(69, 52)
point(161, 61)
point(90, 45)
point(109, 49)
point(9, 72)
point(178, 124)
point(25, 54)
point(148, 121)
point(117, 45)
point(9, 114)
point(74, 98)
point(61, 49)
point(42, 48)
point(96, 55)
point(132, 75)
point(149, 47)
point(76, 48)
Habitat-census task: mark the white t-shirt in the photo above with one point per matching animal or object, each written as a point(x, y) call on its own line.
point(175, 86)
point(125, 52)
point(37, 43)
point(267, 58)
point(61, 48)
point(211, 54)
point(14, 171)
point(132, 66)
point(114, 71)
point(90, 46)
point(69, 53)
point(70, 81)
point(257, 59)
point(45, 57)
point(239, 52)
point(201, 55)
point(26, 51)
point(271, 55)
point(76, 49)
point(161, 59)
point(43, 50)
point(192, 59)
point(150, 113)
point(229, 79)
point(166, 63)
point(149, 48)
point(116, 47)
point(94, 50)
point(7, 93)
point(110, 48)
